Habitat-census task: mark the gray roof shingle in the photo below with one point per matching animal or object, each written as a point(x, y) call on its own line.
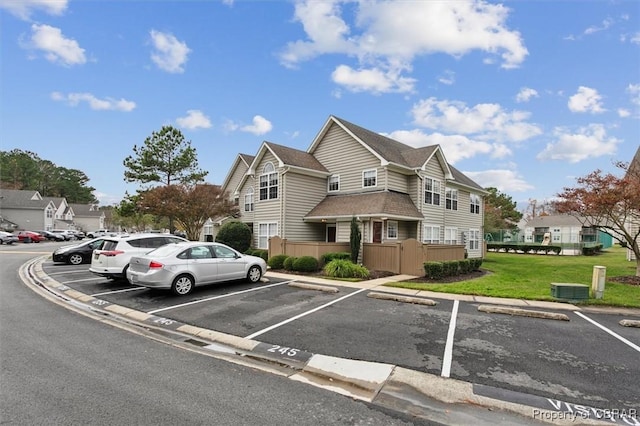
point(380, 203)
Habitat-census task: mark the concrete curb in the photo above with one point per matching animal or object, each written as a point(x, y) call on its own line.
point(630, 323)
point(404, 299)
point(522, 312)
point(317, 287)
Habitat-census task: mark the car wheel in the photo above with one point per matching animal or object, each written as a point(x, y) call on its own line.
point(75, 259)
point(254, 274)
point(182, 285)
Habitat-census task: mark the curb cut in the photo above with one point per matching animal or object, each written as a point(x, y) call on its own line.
point(522, 312)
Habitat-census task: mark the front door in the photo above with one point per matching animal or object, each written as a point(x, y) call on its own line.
point(331, 233)
point(377, 232)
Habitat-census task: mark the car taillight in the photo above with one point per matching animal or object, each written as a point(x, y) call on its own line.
point(111, 253)
point(155, 265)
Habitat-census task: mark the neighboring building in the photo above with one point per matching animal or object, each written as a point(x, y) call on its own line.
point(563, 229)
point(396, 192)
point(27, 209)
point(87, 217)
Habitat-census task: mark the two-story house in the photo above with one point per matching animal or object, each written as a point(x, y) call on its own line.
point(28, 209)
point(395, 191)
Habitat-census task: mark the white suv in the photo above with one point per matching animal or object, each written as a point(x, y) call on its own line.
point(112, 259)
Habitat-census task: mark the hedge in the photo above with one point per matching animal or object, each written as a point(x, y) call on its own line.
point(438, 270)
point(305, 264)
point(525, 248)
point(277, 261)
point(288, 263)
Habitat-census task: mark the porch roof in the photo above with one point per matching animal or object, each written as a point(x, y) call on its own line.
point(380, 204)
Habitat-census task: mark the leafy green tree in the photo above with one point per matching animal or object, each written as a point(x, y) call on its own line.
point(165, 158)
point(26, 170)
point(130, 215)
point(500, 211)
point(355, 237)
point(235, 234)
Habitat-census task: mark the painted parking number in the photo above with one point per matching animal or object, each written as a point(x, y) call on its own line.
point(163, 321)
point(283, 350)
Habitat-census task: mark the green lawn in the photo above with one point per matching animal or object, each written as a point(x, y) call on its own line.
point(528, 276)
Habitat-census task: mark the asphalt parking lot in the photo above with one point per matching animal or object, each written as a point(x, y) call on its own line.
point(589, 360)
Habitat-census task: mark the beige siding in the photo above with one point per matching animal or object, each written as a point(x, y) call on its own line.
point(247, 217)
point(342, 155)
point(267, 211)
point(397, 181)
point(235, 179)
point(301, 194)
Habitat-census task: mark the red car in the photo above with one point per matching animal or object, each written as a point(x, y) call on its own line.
point(30, 237)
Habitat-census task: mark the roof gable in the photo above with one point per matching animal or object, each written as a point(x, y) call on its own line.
point(290, 157)
point(241, 163)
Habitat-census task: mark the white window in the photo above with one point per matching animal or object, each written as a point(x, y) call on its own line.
point(268, 183)
point(451, 199)
point(334, 183)
point(475, 204)
point(248, 200)
point(474, 239)
point(369, 178)
point(450, 235)
point(266, 230)
point(431, 234)
point(49, 213)
point(431, 191)
point(392, 229)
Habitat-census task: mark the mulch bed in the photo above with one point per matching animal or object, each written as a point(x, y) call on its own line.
point(626, 279)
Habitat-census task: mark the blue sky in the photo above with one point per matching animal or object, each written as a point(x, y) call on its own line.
point(524, 96)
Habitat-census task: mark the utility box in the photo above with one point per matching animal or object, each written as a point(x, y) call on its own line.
point(569, 291)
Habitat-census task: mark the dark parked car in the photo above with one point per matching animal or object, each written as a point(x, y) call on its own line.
point(8, 238)
point(51, 236)
point(76, 254)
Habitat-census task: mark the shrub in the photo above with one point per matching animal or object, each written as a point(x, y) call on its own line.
point(355, 238)
point(277, 261)
point(328, 257)
point(305, 264)
point(261, 253)
point(342, 268)
point(288, 263)
point(476, 262)
point(465, 266)
point(450, 268)
point(434, 270)
point(235, 234)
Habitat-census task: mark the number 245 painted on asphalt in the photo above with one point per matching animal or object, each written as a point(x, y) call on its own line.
point(283, 350)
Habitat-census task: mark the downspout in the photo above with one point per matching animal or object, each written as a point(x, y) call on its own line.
point(419, 189)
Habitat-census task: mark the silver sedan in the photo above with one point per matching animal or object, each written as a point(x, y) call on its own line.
point(181, 266)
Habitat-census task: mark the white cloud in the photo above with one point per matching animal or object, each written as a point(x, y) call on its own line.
point(486, 121)
point(623, 113)
point(24, 8)
point(387, 36)
point(371, 80)
point(525, 94)
point(501, 179)
point(194, 119)
point(169, 53)
point(74, 99)
point(455, 147)
point(260, 126)
point(56, 47)
point(603, 26)
point(448, 77)
point(634, 91)
point(587, 142)
point(586, 100)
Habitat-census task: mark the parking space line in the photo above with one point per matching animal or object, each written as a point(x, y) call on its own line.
point(66, 272)
point(83, 280)
point(304, 314)
point(222, 296)
point(605, 329)
point(448, 348)
point(124, 290)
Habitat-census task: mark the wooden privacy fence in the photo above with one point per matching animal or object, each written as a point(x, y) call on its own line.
point(404, 257)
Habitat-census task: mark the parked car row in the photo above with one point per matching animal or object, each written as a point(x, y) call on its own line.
point(41, 235)
point(162, 261)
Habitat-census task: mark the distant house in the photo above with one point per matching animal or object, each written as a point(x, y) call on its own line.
point(396, 192)
point(88, 217)
point(28, 210)
point(563, 229)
